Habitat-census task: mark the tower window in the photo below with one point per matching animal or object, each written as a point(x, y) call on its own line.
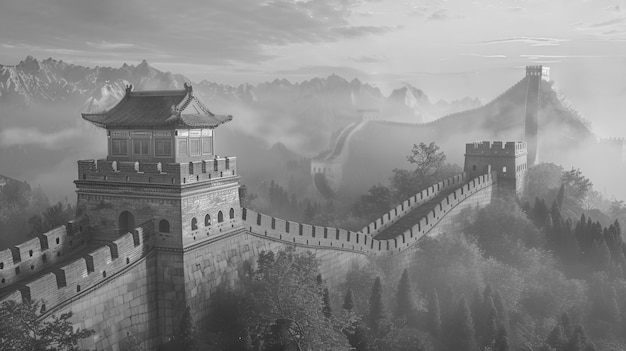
point(194, 147)
point(474, 167)
point(207, 145)
point(119, 147)
point(140, 147)
point(163, 147)
point(231, 214)
point(194, 224)
point(504, 169)
point(220, 217)
point(164, 226)
point(182, 147)
point(207, 221)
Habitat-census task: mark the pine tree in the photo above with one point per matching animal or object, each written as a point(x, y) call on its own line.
point(328, 312)
point(434, 315)
point(499, 303)
point(502, 344)
point(461, 330)
point(404, 296)
point(560, 196)
point(578, 340)
point(556, 339)
point(348, 301)
point(377, 314)
point(575, 344)
point(566, 323)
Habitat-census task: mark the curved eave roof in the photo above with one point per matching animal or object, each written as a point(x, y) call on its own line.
point(156, 110)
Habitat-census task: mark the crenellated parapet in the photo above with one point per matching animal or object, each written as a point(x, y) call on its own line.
point(495, 148)
point(156, 173)
point(412, 203)
point(66, 280)
point(22, 261)
point(319, 237)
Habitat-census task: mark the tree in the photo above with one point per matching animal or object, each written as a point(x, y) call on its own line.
point(53, 217)
point(556, 339)
point(377, 314)
point(21, 328)
point(426, 158)
point(327, 310)
point(560, 196)
point(404, 296)
point(374, 204)
point(576, 185)
point(434, 315)
point(131, 344)
point(461, 330)
point(348, 301)
point(284, 302)
point(543, 180)
point(245, 197)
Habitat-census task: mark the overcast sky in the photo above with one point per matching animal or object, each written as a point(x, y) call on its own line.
point(448, 48)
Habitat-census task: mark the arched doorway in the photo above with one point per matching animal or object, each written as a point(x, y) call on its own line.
point(126, 222)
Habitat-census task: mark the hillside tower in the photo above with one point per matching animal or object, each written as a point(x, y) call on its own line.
point(508, 161)
point(534, 75)
point(162, 166)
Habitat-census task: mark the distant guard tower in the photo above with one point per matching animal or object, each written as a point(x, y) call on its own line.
point(534, 75)
point(162, 166)
point(508, 160)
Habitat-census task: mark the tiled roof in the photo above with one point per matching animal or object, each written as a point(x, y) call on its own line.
point(158, 109)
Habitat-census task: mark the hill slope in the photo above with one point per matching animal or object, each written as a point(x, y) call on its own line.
point(561, 133)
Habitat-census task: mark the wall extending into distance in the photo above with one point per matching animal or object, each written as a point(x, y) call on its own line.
point(113, 287)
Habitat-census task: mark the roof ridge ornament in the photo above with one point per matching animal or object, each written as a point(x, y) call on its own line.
point(187, 87)
point(129, 88)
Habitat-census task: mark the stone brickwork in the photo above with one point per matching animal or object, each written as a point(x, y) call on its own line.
point(412, 203)
point(134, 285)
point(507, 160)
point(35, 255)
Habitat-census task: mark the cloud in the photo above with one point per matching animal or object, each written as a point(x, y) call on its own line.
point(485, 56)
point(107, 45)
point(320, 70)
point(531, 41)
point(613, 8)
point(537, 57)
point(368, 59)
point(439, 15)
point(217, 32)
point(32, 136)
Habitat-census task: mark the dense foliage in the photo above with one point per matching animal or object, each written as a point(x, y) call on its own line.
point(21, 329)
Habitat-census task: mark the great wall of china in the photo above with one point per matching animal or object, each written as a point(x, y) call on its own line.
point(122, 279)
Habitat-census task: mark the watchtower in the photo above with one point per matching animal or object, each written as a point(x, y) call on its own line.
point(508, 161)
point(161, 165)
point(534, 75)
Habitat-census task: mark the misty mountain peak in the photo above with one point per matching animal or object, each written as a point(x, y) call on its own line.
point(29, 65)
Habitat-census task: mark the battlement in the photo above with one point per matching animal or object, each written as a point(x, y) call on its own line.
point(612, 140)
point(534, 71)
point(318, 237)
point(22, 261)
point(156, 173)
point(413, 202)
point(64, 281)
point(495, 148)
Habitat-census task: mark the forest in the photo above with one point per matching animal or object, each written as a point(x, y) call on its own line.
point(544, 272)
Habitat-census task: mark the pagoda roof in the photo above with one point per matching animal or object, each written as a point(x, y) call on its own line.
point(157, 109)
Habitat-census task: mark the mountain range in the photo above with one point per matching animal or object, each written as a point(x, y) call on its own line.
point(33, 82)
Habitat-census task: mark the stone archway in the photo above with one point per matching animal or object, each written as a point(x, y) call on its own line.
point(126, 222)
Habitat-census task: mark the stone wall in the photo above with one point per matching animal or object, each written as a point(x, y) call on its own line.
point(132, 286)
point(31, 257)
